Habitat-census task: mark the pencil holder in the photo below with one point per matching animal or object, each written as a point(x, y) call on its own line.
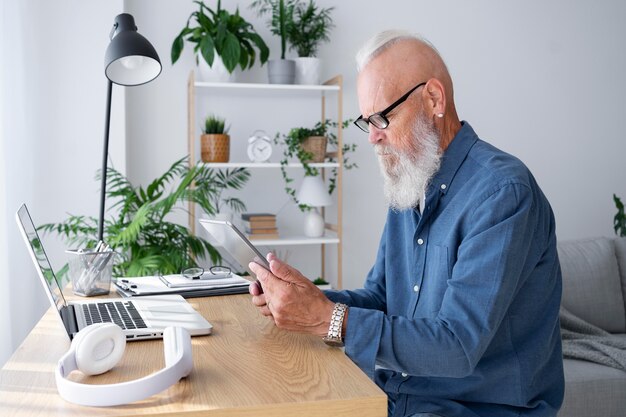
point(90, 272)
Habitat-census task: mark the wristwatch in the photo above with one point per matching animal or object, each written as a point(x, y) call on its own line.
point(334, 336)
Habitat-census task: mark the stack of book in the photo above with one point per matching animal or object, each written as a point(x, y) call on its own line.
point(260, 225)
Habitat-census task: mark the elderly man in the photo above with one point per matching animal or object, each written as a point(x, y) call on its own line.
point(459, 314)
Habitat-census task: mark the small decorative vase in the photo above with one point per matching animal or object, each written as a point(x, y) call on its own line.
point(217, 73)
point(308, 70)
point(215, 147)
point(313, 224)
point(281, 71)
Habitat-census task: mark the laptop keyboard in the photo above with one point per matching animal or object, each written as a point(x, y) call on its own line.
point(124, 314)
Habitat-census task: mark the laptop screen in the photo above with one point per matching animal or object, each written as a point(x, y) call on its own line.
point(38, 254)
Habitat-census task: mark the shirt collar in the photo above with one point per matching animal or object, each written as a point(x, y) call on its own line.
point(453, 157)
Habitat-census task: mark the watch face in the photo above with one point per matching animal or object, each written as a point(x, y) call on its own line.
point(259, 151)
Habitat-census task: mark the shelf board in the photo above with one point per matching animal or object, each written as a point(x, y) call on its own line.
point(262, 86)
point(268, 165)
point(330, 238)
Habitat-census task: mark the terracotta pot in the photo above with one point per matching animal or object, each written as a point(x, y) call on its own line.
point(316, 145)
point(215, 147)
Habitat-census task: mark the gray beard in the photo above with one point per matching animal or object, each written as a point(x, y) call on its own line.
point(407, 174)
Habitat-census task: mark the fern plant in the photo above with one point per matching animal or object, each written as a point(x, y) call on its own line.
point(145, 238)
point(310, 26)
point(619, 221)
point(211, 184)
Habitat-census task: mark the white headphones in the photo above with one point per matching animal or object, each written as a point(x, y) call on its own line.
point(99, 347)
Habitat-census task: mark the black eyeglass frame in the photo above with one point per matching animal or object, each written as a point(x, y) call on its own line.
point(363, 123)
point(198, 272)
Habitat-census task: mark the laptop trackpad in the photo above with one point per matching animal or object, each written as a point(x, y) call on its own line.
point(165, 312)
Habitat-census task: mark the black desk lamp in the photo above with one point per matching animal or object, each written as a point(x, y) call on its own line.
point(129, 60)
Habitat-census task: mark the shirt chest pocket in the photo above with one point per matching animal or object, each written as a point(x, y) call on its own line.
point(434, 282)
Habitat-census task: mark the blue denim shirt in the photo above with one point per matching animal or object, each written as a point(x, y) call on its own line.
point(459, 314)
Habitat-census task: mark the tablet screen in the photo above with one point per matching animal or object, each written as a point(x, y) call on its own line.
point(230, 238)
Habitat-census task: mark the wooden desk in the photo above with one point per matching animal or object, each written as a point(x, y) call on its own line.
point(246, 367)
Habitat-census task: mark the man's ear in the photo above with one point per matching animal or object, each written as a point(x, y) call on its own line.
point(435, 96)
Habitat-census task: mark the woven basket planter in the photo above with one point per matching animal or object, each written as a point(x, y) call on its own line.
point(316, 145)
point(215, 147)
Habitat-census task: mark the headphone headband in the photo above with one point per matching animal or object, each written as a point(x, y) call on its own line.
point(178, 364)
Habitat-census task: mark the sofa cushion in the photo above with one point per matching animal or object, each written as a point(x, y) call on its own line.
point(620, 251)
point(592, 288)
point(593, 390)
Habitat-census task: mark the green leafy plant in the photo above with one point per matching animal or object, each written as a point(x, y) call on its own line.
point(281, 18)
point(140, 231)
point(211, 184)
point(309, 27)
point(228, 35)
point(619, 221)
point(215, 125)
point(320, 281)
point(292, 149)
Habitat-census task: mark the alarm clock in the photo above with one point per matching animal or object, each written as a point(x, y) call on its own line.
point(259, 147)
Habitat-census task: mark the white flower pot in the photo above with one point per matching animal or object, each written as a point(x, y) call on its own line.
point(217, 73)
point(308, 70)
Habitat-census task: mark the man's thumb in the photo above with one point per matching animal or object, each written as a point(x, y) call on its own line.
point(283, 270)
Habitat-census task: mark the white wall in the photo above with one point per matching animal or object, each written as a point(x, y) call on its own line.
point(53, 100)
point(541, 80)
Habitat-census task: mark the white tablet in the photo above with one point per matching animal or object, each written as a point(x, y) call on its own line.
point(235, 243)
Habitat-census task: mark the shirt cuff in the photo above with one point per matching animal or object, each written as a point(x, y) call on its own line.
point(362, 338)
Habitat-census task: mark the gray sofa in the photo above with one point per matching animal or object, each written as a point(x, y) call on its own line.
point(594, 289)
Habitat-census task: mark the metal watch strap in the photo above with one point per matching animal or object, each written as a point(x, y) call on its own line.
point(335, 336)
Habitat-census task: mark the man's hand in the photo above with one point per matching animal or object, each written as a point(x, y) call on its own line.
point(290, 298)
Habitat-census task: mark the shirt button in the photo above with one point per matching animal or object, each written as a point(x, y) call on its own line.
point(420, 241)
point(404, 375)
point(443, 186)
point(416, 288)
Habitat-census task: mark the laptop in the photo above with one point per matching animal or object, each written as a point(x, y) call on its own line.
point(140, 318)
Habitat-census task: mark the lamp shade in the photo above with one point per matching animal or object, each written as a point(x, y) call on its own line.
point(313, 192)
point(130, 59)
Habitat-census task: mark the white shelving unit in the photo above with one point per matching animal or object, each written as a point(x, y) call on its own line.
point(334, 86)
point(254, 165)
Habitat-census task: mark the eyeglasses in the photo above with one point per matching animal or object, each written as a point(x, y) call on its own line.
point(216, 271)
point(379, 120)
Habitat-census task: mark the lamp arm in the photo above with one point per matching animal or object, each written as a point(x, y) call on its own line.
point(105, 156)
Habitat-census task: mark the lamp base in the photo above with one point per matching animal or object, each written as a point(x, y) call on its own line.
point(313, 224)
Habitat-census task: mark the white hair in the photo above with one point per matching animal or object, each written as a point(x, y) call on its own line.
point(381, 41)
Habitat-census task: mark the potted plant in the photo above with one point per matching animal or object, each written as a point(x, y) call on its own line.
point(222, 39)
point(146, 241)
point(322, 284)
point(280, 71)
point(619, 221)
point(214, 141)
point(210, 186)
point(309, 28)
point(308, 145)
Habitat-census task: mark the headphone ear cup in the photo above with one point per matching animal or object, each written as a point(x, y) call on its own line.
point(99, 347)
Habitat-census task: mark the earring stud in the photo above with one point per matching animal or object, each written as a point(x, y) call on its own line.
point(440, 115)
